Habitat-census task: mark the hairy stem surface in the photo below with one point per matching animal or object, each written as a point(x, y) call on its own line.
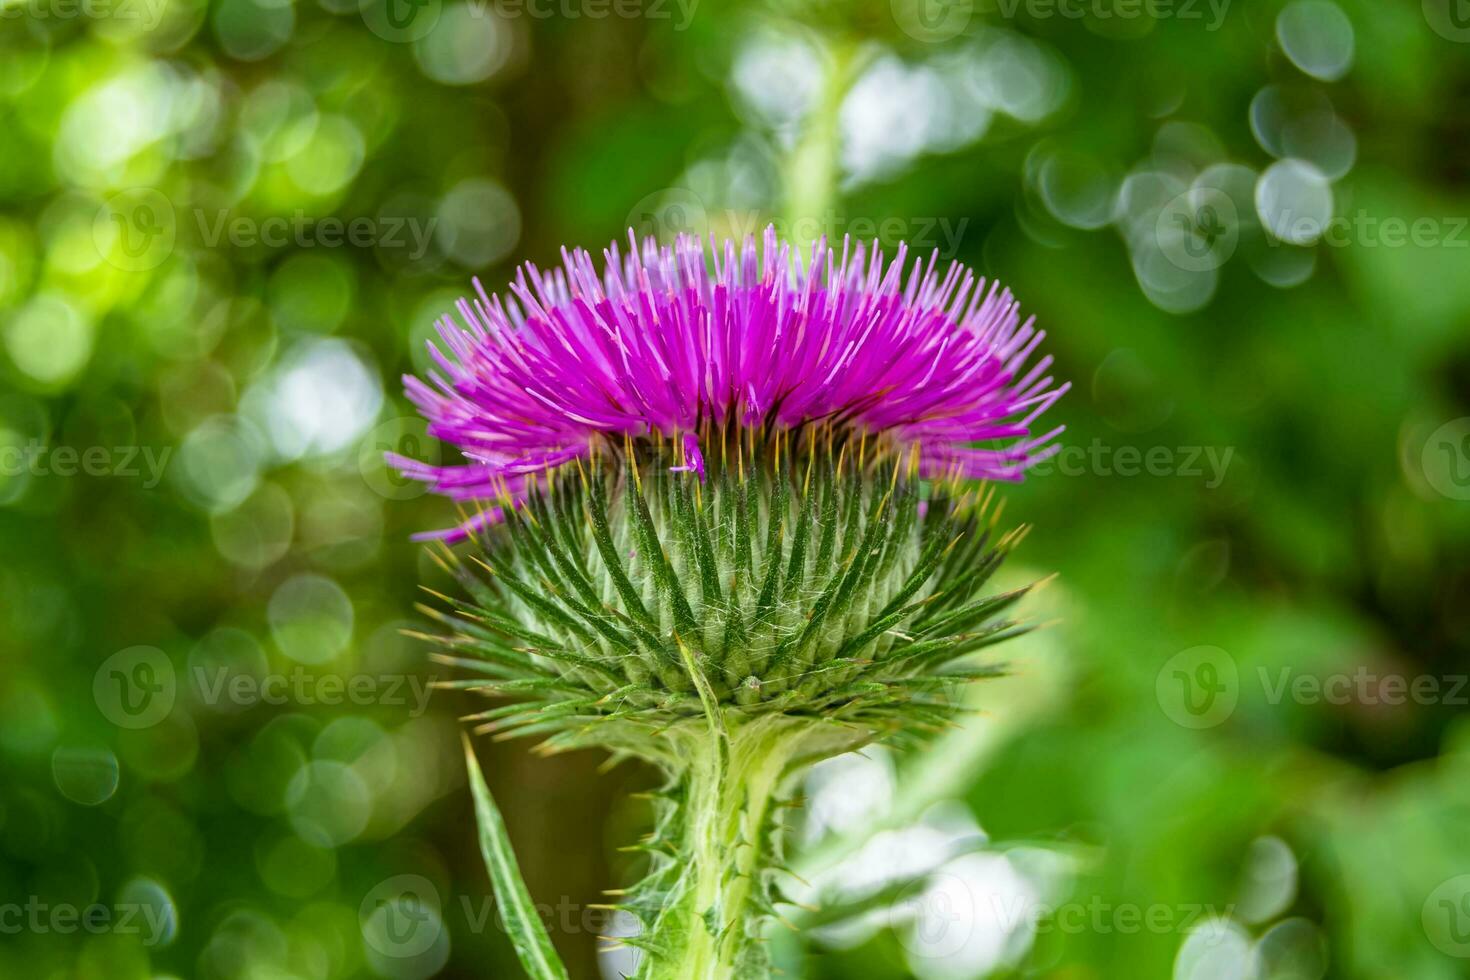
point(726, 843)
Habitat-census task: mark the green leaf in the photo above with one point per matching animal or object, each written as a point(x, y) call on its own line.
point(522, 924)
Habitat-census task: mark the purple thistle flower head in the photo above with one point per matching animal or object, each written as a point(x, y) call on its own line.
point(678, 341)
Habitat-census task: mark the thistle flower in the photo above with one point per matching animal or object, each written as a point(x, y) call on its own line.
point(724, 521)
point(657, 344)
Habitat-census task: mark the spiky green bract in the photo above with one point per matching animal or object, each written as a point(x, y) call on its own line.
point(803, 601)
point(522, 923)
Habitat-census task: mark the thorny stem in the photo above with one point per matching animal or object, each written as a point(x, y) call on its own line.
point(732, 777)
point(733, 774)
point(729, 803)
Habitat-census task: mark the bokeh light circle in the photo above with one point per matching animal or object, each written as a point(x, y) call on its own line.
point(311, 618)
point(468, 44)
point(50, 339)
point(328, 803)
point(85, 774)
point(1318, 38)
point(479, 223)
point(1294, 201)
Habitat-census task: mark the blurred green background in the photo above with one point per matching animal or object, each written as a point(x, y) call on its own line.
point(226, 229)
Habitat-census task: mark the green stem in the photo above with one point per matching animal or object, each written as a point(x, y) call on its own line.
point(726, 772)
point(811, 180)
point(733, 770)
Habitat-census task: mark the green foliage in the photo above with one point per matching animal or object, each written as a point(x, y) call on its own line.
point(522, 921)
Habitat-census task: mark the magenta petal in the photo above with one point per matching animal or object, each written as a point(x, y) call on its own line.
point(655, 341)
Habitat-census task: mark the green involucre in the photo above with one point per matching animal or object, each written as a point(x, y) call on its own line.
point(792, 607)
